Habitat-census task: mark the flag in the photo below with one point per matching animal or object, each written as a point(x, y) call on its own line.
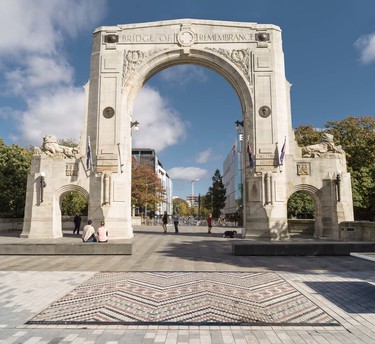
point(251, 159)
point(282, 154)
point(88, 157)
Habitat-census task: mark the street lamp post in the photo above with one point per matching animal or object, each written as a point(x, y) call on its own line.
point(192, 191)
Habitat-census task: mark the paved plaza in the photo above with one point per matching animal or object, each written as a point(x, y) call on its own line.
point(186, 288)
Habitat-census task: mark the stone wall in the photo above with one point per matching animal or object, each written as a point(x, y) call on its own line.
point(10, 225)
point(301, 226)
point(357, 231)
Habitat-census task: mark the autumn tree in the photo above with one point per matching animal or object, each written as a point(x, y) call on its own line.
point(180, 206)
point(216, 195)
point(15, 164)
point(147, 189)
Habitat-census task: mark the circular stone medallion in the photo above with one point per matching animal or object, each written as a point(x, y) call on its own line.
point(108, 112)
point(186, 38)
point(264, 111)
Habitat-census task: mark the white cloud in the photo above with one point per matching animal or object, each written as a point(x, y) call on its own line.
point(366, 46)
point(38, 72)
point(33, 57)
point(187, 173)
point(184, 74)
point(160, 126)
point(204, 156)
point(41, 26)
point(59, 112)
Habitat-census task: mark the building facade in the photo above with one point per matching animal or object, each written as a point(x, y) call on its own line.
point(232, 180)
point(148, 157)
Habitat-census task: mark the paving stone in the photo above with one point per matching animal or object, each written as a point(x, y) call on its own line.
point(28, 285)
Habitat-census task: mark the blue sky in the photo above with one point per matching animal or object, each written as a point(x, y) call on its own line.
point(45, 48)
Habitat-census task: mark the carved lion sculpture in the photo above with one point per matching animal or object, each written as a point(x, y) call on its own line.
point(52, 148)
point(325, 146)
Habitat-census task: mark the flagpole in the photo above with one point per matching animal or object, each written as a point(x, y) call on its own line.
point(88, 157)
point(282, 155)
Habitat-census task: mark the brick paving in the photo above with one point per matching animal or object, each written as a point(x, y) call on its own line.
point(342, 287)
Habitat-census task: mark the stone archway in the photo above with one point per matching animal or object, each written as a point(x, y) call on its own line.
point(250, 57)
point(316, 196)
point(59, 195)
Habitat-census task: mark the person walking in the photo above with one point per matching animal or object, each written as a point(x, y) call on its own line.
point(209, 222)
point(164, 221)
point(77, 223)
point(176, 220)
point(88, 234)
point(102, 233)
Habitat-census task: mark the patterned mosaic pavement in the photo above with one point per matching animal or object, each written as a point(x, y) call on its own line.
point(214, 298)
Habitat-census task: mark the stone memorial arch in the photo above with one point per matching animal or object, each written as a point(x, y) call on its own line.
point(250, 57)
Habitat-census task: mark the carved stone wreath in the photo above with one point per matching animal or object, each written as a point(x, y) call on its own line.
point(240, 57)
point(133, 58)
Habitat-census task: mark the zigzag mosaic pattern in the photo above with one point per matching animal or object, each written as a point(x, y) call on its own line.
point(185, 298)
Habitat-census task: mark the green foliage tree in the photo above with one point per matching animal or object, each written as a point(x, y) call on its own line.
point(301, 203)
point(74, 203)
point(306, 135)
point(203, 207)
point(14, 167)
point(216, 195)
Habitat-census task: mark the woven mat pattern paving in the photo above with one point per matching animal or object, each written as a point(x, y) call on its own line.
point(214, 298)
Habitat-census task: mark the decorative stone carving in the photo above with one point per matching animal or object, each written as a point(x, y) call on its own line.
point(186, 38)
point(53, 149)
point(71, 170)
point(133, 58)
point(303, 169)
point(324, 147)
point(264, 111)
point(240, 57)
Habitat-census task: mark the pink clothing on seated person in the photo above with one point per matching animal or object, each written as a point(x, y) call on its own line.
point(102, 234)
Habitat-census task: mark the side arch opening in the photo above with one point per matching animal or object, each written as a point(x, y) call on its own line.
point(304, 212)
point(71, 208)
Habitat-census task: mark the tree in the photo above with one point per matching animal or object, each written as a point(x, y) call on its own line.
point(301, 203)
point(306, 135)
point(215, 197)
point(15, 164)
point(147, 190)
point(181, 207)
point(74, 203)
point(203, 207)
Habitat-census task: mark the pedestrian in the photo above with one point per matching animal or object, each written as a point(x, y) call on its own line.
point(209, 222)
point(88, 234)
point(176, 219)
point(77, 223)
point(164, 221)
point(102, 233)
